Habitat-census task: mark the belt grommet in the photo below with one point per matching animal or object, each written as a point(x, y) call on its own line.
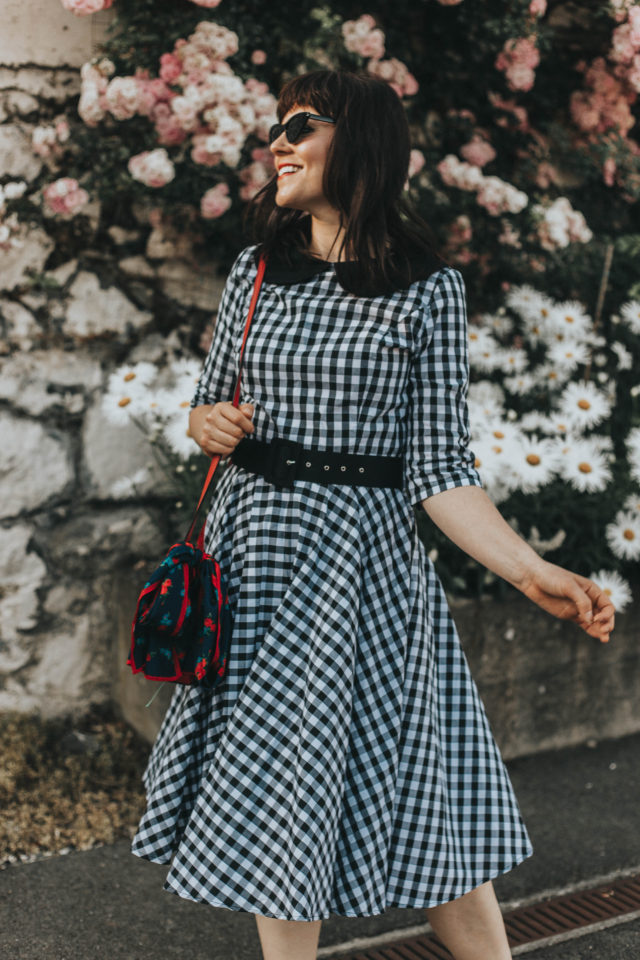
point(343, 468)
point(326, 466)
point(307, 464)
point(361, 469)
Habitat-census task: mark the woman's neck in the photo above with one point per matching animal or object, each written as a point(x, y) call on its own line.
point(325, 240)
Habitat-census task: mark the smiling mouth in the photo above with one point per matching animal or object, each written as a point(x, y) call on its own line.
point(287, 172)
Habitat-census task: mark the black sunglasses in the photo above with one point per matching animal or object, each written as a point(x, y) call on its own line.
point(296, 127)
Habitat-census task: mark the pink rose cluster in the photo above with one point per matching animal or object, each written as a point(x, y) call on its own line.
point(215, 202)
point(152, 167)
point(492, 193)
point(64, 197)
point(518, 59)
point(257, 174)
point(47, 140)
point(604, 104)
point(83, 8)
point(559, 225)
point(478, 151)
point(196, 97)
point(625, 49)
point(361, 36)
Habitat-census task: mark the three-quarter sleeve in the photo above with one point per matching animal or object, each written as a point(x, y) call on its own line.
point(219, 373)
point(437, 454)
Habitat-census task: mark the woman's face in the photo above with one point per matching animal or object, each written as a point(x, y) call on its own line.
point(301, 165)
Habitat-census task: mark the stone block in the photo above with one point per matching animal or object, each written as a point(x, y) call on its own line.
point(112, 452)
point(54, 85)
point(20, 327)
point(17, 159)
point(195, 288)
point(32, 255)
point(21, 575)
point(94, 311)
point(35, 466)
point(45, 380)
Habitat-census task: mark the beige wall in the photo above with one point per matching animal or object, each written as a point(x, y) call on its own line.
point(42, 33)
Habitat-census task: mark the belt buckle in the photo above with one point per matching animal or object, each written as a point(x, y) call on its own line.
point(281, 467)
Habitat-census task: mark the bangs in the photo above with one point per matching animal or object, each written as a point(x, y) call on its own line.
point(316, 89)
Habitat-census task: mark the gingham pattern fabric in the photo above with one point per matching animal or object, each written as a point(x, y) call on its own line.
point(346, 764)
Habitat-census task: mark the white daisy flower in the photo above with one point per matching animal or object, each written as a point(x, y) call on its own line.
point(492, 463)
point(568, 354)
point(176, 433)
point(630, 314)
point(117, 410)
point(623, 535)
point(625, 357)
point(533, 462)
point(568, 320)
point(483, 349)
point(132, 376)
point(632, 440)
point(529, 302)
point(552, 375)
point(583, 465)
point(125, 487)
point(555, 425)
point(615, 587)
point(485, 399)
point(498, 323)
point(521, 383)
point(633, 458)
point(632, 503)
point(172, 401)
point(511, 360)
point(497, 429)
point(533, 420)
point(583, 404)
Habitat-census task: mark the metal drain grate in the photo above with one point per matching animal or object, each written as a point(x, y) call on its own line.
point(538, 921)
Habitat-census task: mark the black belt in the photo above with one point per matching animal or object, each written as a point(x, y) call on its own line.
point(282, 462)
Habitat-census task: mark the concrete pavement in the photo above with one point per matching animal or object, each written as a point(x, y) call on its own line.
point(580, 806)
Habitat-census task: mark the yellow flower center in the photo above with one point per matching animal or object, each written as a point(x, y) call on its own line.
point(544, 312)
point(584, 404)
point(498, 434)
point(124, 401)
point(477, 462)
point(553, 375)
point(585, 467)
point(607, 591)
point(533, 459)
point(497, 449)
point(129, 376)
point(185, 403)
point(628, 534)
point(569, 318)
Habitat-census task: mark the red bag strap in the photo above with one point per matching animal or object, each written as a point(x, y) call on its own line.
point(236, 394)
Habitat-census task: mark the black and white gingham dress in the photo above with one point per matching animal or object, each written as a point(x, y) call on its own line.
point(346, 764)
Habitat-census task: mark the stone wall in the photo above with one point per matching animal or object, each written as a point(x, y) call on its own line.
point(65, 324)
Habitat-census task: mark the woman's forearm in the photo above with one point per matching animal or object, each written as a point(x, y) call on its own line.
point(469, 518)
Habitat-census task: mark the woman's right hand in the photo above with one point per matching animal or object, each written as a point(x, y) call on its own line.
point(224, 427)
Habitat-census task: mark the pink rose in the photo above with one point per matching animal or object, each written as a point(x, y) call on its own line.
point(152, 167)
point(538, 8)
point(478, 151)
point(207, 3)
point(170, 67)
point(64, 196)
point(215, 202)
point(258, 57)
point(416, 162)
point(82, 8)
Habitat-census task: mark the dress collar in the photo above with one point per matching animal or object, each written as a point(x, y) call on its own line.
point(304, 267)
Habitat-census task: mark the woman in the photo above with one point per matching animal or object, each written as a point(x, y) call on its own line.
point(346, 764)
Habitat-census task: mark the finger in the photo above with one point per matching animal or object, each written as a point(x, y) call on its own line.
point(581, 598)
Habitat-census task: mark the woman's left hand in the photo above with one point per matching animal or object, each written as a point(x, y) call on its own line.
point(569, 596)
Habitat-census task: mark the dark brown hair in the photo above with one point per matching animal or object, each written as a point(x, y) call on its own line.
point(364, 178)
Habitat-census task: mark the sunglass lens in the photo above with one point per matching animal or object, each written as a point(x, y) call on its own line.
point(275, 131)
point(295, 127)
